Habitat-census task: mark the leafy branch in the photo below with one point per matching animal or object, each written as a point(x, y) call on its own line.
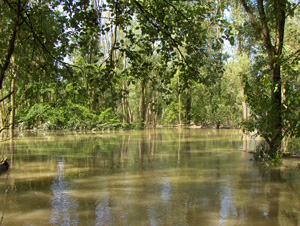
point(148, 15)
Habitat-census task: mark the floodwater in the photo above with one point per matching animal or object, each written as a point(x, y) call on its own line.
point(147, 177)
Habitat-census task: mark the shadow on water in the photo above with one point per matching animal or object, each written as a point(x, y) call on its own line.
point(151, 177)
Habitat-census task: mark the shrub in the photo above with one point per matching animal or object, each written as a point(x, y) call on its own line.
point(267, 156)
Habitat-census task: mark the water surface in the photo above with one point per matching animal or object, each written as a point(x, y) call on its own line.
point(147, 177)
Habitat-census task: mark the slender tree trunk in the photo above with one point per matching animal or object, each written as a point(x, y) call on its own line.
point(143, 103)
point(2, 111)
point(93, 99)
point(130, 114)
point(151, 111)
point(179, 95)
point(179, 104)
point(123, 103)
point(285, 140)
point(12, 103)
point(123, 100)
point(113, 59)
point(244, 103)
point(154, 110)
point(124, 94)
point(219, 35)
point(188, 106)
point(149, 115)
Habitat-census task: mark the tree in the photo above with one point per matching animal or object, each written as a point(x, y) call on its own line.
point(268, 20)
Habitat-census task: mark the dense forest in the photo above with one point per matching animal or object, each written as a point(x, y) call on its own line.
point(96, 64)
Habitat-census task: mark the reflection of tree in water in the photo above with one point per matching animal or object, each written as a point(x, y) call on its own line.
point(63, 206)
point(103, 211)
point(227, 207)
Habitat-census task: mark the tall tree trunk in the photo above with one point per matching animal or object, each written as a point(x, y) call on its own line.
point(151, 110)
point(143, 103)
point(188, 106)
point(113, 58)
point(12, 103)
point(123, 103)
point(179, 94)
point(126, 112)
point(93, 99)
point(179, 102)
point(219, 35)
point(130, 114)
point(275, 141)
point(244, 103)
point(274, 58)
point(285, 140)
point(154, 110)
point(2, 111)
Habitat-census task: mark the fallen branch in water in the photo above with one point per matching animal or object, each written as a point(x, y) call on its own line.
point(284, 154)
point(290, 155)
point(250, 152)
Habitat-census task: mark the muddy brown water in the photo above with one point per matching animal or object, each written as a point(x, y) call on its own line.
point(146, 177)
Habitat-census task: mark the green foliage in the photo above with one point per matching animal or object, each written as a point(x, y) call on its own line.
point(107, 116)
point(74, 116)
point(170, 116)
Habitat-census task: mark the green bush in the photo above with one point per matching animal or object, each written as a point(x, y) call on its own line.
point(267, 156)
point(73, 116)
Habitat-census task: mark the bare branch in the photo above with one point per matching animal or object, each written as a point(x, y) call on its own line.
point(8, 95)
point(293, 9)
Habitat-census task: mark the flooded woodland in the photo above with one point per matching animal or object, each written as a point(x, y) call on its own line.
point(144, 177)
